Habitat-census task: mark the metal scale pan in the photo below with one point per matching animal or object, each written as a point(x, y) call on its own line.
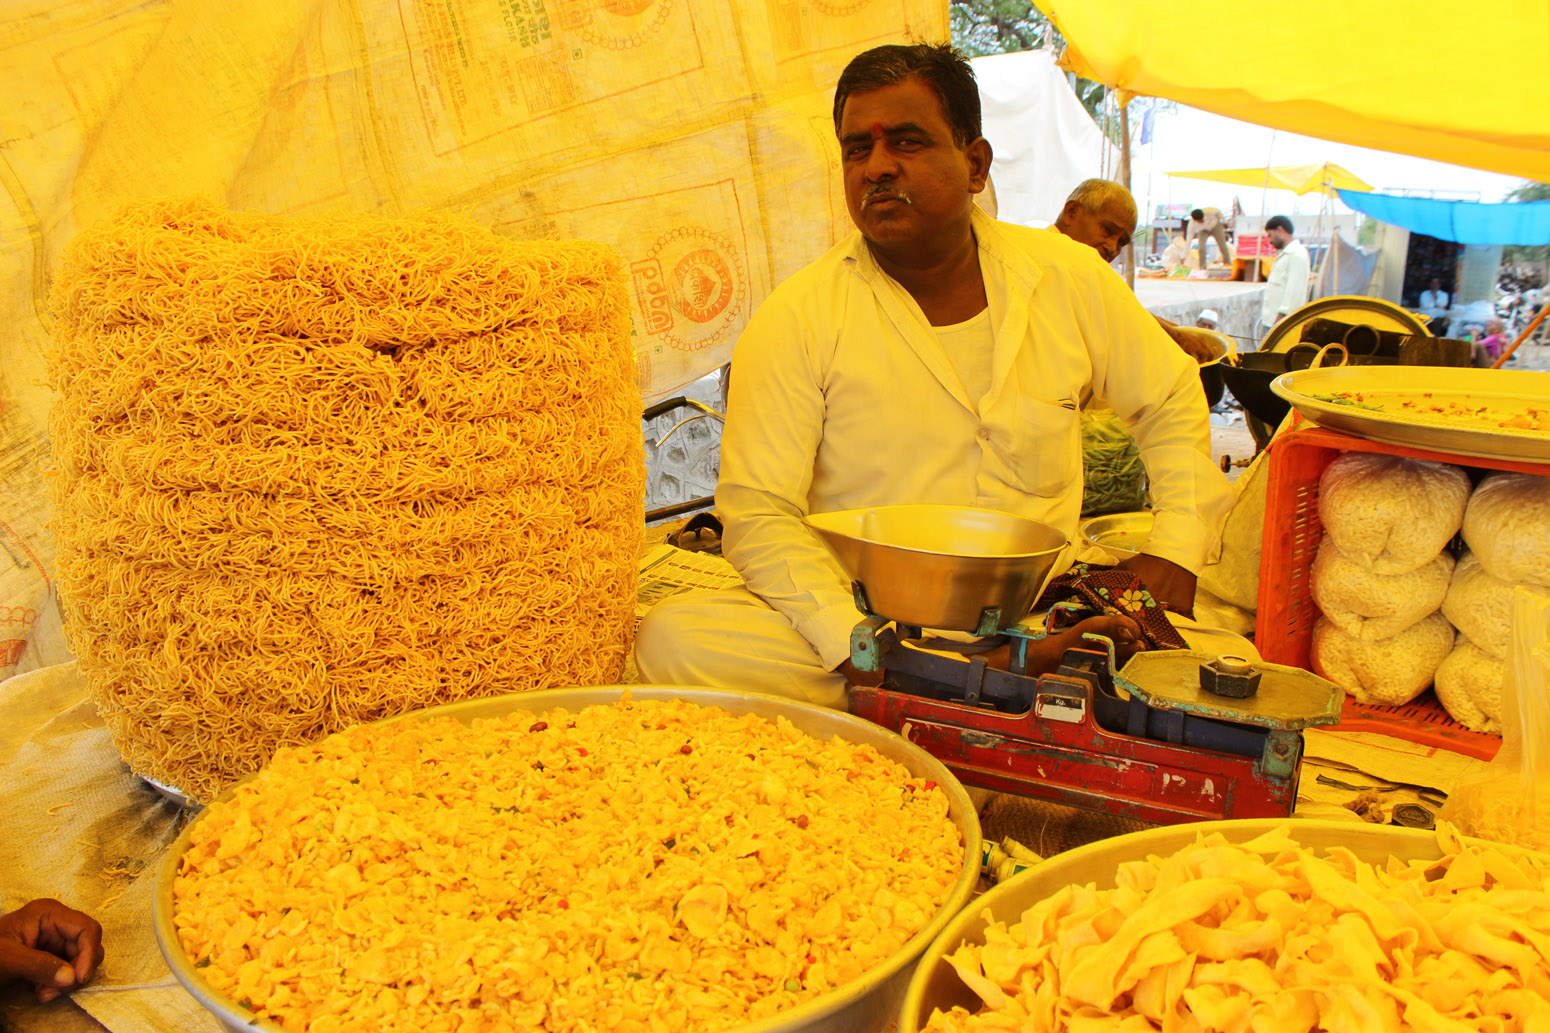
point(953, 568)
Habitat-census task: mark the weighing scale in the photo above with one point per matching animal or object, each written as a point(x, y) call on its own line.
point(1172, 736)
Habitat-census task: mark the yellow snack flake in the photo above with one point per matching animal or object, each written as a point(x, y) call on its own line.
point(638, 866)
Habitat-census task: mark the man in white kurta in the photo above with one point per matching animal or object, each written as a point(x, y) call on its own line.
point(849, 389)
point(1287, 287)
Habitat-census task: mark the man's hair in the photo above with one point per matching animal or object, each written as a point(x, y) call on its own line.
point(937, 65)
point(1094, 195)
point(1198, 215)
point(1279, 222)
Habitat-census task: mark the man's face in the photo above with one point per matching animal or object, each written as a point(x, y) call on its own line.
point(907, 184)
point(1279, 238)
point(1108, 230)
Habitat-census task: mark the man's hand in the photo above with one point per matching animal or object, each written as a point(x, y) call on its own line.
point(1195, 344)
point(51, 946)
point(1169, 583)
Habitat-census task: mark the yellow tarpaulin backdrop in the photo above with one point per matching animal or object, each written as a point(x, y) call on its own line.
point(1465, 84)
point(1301, 179)
point(692, 135)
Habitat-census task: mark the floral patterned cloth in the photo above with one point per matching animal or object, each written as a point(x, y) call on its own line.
point(1110, 591)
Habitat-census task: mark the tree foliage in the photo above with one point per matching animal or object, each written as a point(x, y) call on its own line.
point(1527, 191)
point(983, 27)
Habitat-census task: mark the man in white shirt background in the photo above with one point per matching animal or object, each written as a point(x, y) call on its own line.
point(1287, 287)
point(936, 356)
point(1435, 303)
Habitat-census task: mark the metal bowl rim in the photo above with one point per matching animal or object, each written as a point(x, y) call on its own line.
point(997, 896)
point(235, 1017)
point(1097, 524)
point(1037, 554)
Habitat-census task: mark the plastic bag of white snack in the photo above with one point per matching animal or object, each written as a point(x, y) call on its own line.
point(1373, 606)
point(1388, 672)
point(1391, 514)
point(1510, 800)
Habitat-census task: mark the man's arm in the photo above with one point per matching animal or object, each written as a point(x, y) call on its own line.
point(1156, 390)
point(1191, 341)
point(775, 419)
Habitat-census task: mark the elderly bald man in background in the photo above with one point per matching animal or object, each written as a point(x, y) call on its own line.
point(1102, 214)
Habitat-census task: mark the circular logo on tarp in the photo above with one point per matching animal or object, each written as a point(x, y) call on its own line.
point(619, 24)
point(690, 288)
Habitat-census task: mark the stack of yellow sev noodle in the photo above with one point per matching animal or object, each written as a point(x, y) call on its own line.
point(311, 472)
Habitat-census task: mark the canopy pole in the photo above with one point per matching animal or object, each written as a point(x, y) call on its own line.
point(1318, 224)
point(1124, 180)
point(1522, 337)
point(1334, 236)
point(1264, 202)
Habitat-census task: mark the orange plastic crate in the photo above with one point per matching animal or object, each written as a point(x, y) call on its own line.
point(1283, 627)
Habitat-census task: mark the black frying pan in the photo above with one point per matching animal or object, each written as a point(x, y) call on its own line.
point(1248, 376)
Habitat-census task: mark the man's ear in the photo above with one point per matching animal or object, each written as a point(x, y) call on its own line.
point(979, 155)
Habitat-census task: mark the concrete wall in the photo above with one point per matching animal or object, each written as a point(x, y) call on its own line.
point(1182, 300)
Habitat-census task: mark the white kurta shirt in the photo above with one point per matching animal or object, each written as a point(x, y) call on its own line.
point(842, 396)
point(1286, 288)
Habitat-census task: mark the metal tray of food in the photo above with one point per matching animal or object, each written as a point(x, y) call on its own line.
point(1491, 413)
point(937, 985)
point(863, 1005)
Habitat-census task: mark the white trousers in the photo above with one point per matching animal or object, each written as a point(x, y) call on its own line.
point(732, 639)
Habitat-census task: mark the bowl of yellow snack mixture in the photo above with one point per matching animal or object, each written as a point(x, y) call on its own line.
point(1263, 924)
point(643, 859)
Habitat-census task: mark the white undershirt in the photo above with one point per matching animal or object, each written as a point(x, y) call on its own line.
point(971, 346)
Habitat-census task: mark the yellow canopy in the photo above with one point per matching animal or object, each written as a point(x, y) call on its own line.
point(1462, 84)
point(1301, 179)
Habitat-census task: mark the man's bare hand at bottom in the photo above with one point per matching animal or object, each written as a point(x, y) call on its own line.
point(53, 947)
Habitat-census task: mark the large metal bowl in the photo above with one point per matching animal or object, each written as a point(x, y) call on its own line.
point(937, 985)
point(864, 1005)
point(943, 566)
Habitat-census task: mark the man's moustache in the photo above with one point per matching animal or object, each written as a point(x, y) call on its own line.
point(883, 192)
